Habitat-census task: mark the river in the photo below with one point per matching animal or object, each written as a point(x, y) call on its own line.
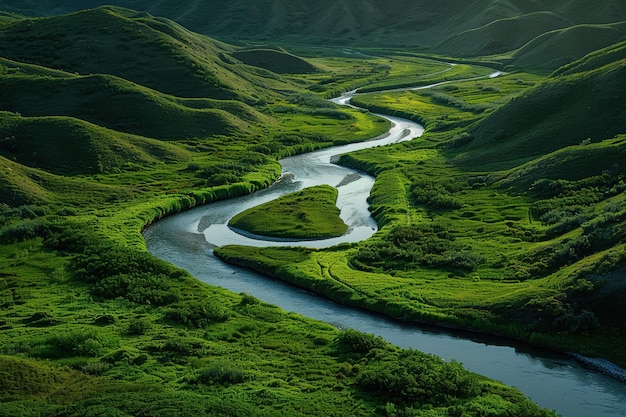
point(186, 239)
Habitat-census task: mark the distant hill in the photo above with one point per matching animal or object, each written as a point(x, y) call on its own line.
point(583, 102)
point(276, 61)
point(456, 28)
point(502, 35)
point(553, 49)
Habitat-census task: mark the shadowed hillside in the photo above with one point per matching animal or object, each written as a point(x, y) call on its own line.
point(562, 111)
point(69, 146)
point(442, 26)
point(553, 49)
point(118, 104)
point(502, 35)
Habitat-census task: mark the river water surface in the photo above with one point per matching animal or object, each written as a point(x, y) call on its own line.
point(186, 239)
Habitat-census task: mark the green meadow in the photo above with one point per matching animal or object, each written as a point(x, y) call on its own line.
point(507, 217)
point(307, 214)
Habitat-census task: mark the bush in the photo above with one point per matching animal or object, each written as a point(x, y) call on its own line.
point(139, 326)
point(225, 373)
point(407, 247)
point(415, 377)
point(140, 288)
point(198, 313)
point(359, 342)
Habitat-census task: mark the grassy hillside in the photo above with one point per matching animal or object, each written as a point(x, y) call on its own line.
point(501, 35)
point(68, 146)
point(118, 104)
point(154, 53)
point(276, 61)
point(562, 111)
point(553, 49)
point(490, 25)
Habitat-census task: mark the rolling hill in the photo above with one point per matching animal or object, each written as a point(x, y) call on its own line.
point(155, 53)
point(553, 49)
point(447, 27)
point(562, 111)
point(117, 104)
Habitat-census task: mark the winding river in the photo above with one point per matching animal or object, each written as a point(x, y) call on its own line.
point(186, 239)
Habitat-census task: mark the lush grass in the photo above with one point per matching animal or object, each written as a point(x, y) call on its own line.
point(520, 252)
point(307, 214)
point(450, 106)
point(92, 324)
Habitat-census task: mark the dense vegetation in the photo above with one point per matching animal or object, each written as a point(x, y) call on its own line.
point(111, 119)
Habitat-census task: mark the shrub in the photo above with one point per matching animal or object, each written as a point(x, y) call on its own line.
point(139, 326)
point(417, 377)
point(197, 313)
point(359, 342)
point(222, 373)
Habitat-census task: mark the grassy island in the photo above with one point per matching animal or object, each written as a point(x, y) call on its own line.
point(306, 214)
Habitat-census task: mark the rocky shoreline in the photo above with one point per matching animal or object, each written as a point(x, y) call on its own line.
point(602, 365)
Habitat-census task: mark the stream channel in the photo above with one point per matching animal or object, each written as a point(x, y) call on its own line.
point(186, 239)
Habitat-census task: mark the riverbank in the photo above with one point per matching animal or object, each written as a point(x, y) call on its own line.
point(603, 366)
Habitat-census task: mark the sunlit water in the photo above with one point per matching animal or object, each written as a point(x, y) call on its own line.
point(186, 239)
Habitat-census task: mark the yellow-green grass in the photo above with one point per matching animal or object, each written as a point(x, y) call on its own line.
point(450, 106)
point(456, 72)
point(308, 214)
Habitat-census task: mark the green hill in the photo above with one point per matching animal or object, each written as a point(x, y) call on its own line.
point(424, 24)
point(596, 59)
point(553, 49)
point(501, 35)
point(69, 146)
point(561, 111)
point(571, 163)
point(276, 61)
point(154, 53)
point(118, 104)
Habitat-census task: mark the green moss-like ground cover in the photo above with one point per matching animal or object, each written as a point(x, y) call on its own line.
point(308, 214)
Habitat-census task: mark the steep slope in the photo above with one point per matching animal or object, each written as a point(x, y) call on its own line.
point(562, 111)
point(596, 59)
point(571, 163)
point(553, 49)
point(501, 35)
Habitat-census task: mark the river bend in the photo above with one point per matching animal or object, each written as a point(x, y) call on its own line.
point(186, 239)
